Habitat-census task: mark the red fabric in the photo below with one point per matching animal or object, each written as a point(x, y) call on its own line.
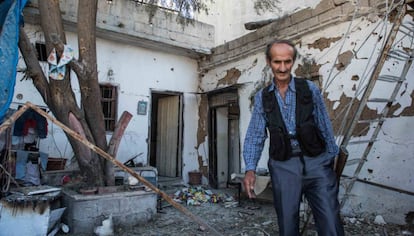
point(29, 123)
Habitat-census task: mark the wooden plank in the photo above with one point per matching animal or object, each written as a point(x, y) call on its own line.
point(114, 144)
point(340, 162)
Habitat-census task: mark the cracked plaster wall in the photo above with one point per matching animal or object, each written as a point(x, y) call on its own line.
point(202, 135)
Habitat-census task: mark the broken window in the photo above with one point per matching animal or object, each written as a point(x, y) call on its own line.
point(109, 101)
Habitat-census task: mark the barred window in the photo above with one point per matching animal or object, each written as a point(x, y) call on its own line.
point(109, 101)
point(41, 51)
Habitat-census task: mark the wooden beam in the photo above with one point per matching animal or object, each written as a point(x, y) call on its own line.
point(114, 144)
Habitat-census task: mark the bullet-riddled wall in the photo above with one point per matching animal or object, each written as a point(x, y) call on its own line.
point(339, 44)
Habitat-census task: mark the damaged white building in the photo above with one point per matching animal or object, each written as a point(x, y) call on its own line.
point(190, 88)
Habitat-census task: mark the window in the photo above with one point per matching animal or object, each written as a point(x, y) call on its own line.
point(109, 101)
point(41, 51)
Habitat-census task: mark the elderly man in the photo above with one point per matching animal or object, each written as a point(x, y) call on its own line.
point(302, 146)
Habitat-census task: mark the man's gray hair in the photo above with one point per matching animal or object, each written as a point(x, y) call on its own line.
point(281, 41)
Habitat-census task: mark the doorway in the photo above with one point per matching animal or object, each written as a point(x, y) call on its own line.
point(224, 137)
point(166, 133)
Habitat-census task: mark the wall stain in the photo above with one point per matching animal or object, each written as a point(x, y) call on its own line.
point(231, 77)
point(337, 115)
point(202, 119)
point(344, 59)
point(29, 205)
point(367, 114)
point(354, 87)
point(408, 111)
point(202, 129)
point(308, 69)
point(323, 43)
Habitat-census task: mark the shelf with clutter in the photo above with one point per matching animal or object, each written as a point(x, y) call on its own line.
point(21, 160)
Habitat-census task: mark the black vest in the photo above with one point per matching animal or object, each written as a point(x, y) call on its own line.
point(308, 135)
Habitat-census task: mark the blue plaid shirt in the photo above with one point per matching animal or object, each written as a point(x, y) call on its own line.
point(257, 134)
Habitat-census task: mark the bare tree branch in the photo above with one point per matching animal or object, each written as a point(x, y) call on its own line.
point(34, 70)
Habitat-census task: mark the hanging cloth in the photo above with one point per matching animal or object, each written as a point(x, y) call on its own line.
point(57, 67)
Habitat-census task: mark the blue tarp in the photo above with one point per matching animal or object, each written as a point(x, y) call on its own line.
point(10, 18)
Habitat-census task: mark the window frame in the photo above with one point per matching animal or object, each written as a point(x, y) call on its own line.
point(109, 105)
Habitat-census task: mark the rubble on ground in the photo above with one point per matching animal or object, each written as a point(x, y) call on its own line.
point(221, 210)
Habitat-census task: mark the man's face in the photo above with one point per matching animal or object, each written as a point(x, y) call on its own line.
point(281, 61)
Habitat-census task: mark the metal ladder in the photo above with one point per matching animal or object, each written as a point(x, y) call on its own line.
point(389, 51)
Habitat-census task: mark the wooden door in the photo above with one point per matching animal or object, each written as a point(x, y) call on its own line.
point(167, 136)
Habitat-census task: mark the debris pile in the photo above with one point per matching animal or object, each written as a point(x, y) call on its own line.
point(250, 218)
point(195, 196)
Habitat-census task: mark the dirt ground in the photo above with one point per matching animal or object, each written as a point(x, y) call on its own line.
point(221, 211)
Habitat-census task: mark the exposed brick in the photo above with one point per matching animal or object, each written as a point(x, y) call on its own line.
point(284, 22)
point(288, 31)
point(253, 45)
point(235, 44)
point(323, 6)
point(221, 49)
point(348, 8)
point(265, 40)
point(268, 31)
point(329, 15)
point(300, 16)
point(221, 57)
point(308, 24)
point(235, 53)
point(251, 37)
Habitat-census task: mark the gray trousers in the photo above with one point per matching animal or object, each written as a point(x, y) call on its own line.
point(318, 185)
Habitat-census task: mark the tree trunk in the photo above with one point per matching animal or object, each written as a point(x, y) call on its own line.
point(88, 82)
point(58, 94)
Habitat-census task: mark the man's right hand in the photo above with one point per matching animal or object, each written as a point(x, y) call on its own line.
point(249, 182)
